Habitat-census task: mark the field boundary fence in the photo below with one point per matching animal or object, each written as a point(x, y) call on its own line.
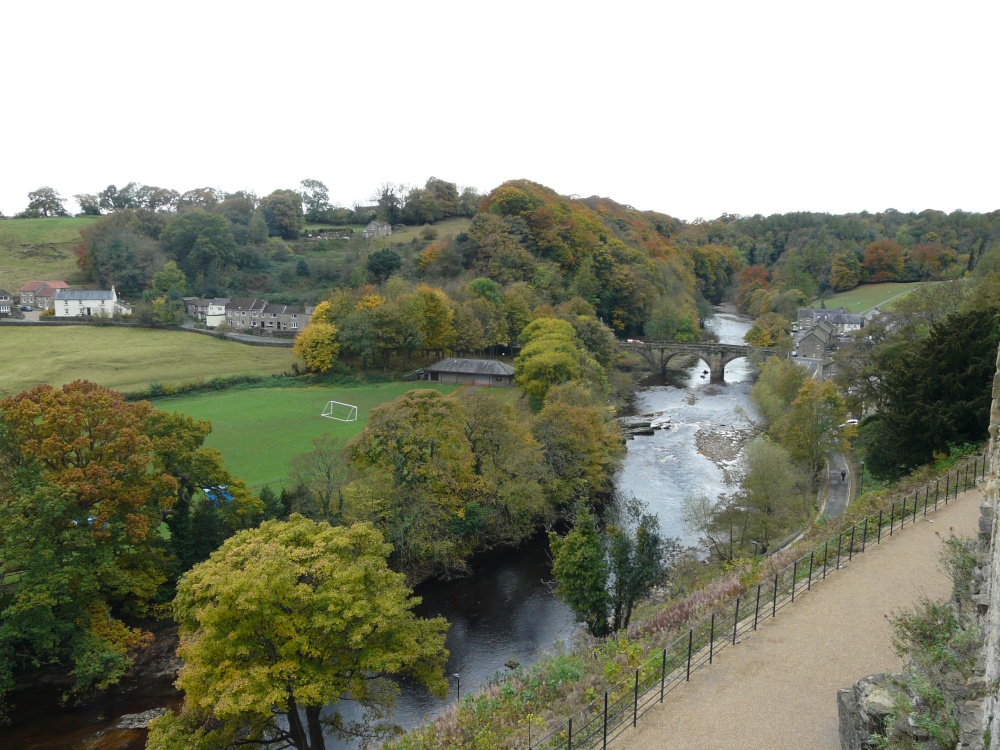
point(600, 722)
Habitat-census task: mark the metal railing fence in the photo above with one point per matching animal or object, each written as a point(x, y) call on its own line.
point(624, 703)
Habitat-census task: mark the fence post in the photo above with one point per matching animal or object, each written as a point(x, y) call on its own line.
point(947, 486)
point(826, 548)
point(892, 517)
point(795, 575)
point(663, 671)
point(879, 527)
point(840, 542)
point(606, 716)
point(937, 488)
point(864, 535)
point(774, 602)
point(569, 742)
point(902, 516)
point(711, 640)
point(809, 585)
point(927, 497)
point(916, 502)
point(850, 552)
point(635, 702)
point(690, 644)
point(966, 486)
point(756, 609)
point(736, 619)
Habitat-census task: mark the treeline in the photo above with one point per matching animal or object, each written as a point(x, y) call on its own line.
point(619, 260)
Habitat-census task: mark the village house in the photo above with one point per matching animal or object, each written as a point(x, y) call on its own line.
point(70, 303)
point(211, 312)
point(814, 344)
point(842, 321)
point(469, 371)
point(40, 295)
point(5, 302)
point(258, 316)
point(377, 229)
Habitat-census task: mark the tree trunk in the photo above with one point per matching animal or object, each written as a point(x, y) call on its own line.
point(295, 728)
point(316, 739)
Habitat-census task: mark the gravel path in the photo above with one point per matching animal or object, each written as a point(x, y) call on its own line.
point(777, 689)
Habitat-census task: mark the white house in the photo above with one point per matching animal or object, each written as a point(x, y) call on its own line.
point(5, 302)
point(74, 304)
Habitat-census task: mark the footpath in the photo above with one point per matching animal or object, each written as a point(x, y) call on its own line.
point(777, 689)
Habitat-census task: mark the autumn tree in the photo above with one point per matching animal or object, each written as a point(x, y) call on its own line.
point(283, 623)
point(845, 272)
point(770, 329)
point(318, 346)
point(884, 260)
point(82, 493)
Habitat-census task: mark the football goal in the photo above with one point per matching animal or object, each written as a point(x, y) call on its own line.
point(341, 412)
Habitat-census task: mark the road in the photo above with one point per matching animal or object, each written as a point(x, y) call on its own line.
point(839, 483)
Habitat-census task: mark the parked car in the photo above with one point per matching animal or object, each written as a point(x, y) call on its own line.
point(27, 308)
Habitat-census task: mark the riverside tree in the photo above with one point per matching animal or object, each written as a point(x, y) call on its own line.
point(280, 625)
point(602, 576)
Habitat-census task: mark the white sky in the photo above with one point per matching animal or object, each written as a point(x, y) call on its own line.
point(688, 107)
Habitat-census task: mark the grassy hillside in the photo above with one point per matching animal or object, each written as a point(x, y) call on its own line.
point(867, 296)
point(260, 431)
point(127, 359)
point(39, 250)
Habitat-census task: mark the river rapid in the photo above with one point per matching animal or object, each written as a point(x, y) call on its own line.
point(505, 613)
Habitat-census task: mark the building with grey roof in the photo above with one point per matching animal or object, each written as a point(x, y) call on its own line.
point(73, 303)
point(469, 372)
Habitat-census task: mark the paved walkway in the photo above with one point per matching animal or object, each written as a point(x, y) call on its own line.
point(777, 689)
point(839, 485)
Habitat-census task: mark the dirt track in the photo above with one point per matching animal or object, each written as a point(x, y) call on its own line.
point(777, 689)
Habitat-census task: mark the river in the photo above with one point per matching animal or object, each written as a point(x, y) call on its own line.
point(505, 613)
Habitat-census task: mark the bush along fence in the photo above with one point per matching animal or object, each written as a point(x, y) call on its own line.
point(621, 706)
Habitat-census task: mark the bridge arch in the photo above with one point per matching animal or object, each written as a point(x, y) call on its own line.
point(659, 354)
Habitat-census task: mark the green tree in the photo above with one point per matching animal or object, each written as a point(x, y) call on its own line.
point(811, 429)
point(382, 264)
point(46, 201)
point(282, 210)
point(203, 246)
point(581, 572)
point(281, 624)
point(937, 397)
point(170, 280)
point(639, 558)
point(316, 199)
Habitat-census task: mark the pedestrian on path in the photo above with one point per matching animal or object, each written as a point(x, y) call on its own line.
point(843, 476)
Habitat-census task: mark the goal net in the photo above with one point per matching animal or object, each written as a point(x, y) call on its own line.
point(341, 412)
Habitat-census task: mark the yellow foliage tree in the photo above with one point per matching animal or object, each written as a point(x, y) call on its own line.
point(318, 346)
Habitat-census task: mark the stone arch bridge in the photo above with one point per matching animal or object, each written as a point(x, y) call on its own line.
point(717, 356)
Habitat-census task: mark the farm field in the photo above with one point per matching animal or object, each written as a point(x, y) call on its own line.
point(259, 431)
point(867, 296)
point(39, 250)
point(127, 359)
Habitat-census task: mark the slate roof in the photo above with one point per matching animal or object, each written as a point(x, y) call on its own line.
point(69, 294)
point(471, 367)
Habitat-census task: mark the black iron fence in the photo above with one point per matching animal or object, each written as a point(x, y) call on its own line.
point(601, 721)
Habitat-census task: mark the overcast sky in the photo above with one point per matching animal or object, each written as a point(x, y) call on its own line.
point(690, 108)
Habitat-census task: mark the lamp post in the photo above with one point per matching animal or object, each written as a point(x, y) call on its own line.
point(458, 688)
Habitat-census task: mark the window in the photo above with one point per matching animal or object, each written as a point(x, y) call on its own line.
point(270, 324)
point(274, 315)
point(294, 315)
point(295, 325)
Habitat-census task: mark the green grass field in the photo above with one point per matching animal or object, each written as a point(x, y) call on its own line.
point(39, 250)
point(867, 296)
point(127, 359)
point(260, 431)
